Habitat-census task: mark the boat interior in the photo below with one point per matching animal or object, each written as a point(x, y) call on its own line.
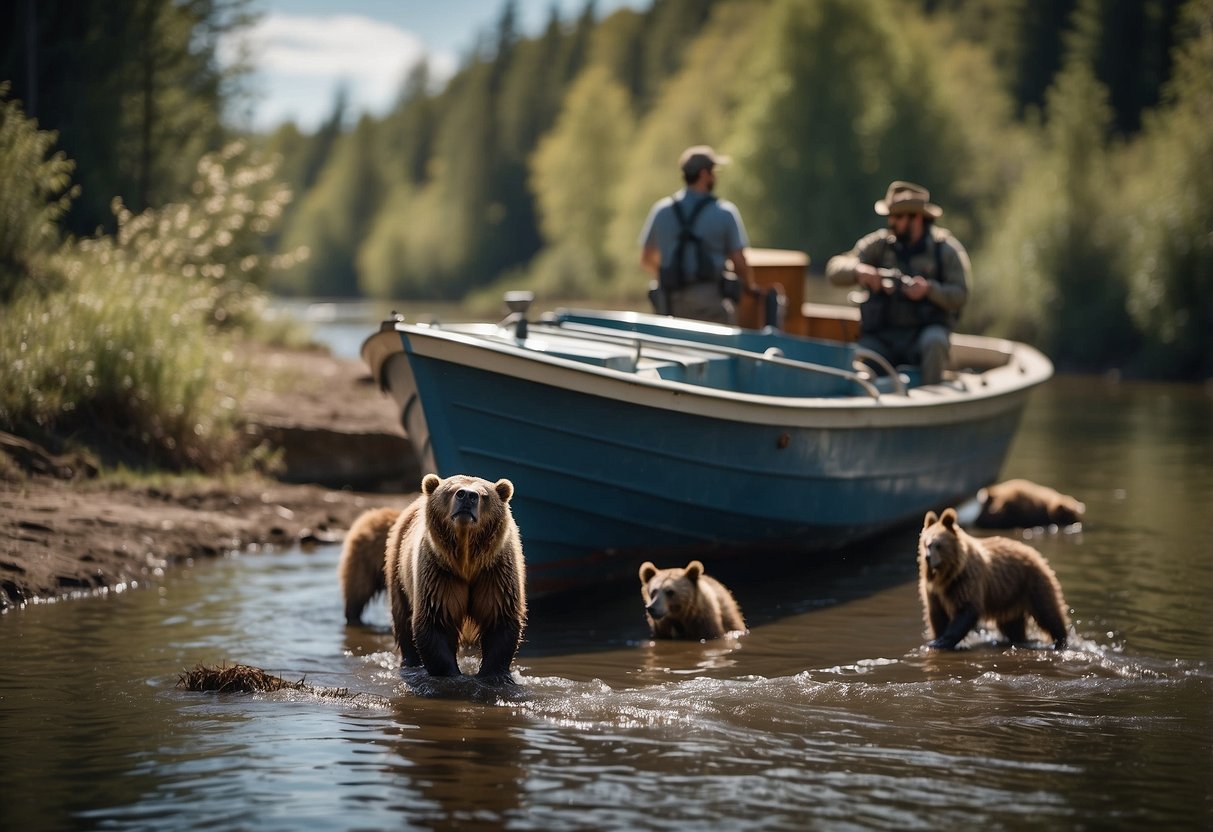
point(765, 362)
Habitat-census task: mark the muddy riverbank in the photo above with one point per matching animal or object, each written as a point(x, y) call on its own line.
point(341, 448)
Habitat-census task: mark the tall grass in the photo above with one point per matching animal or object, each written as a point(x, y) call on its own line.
point(134, 350)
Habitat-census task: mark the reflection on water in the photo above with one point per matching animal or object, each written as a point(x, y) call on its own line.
point(828, 713)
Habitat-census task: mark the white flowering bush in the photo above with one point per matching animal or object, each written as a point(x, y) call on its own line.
point(136, 352)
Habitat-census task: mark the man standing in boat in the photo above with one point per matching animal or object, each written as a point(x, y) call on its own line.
point(686, 240)
point(917, 276)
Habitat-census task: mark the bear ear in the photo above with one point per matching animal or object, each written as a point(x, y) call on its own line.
point(929, 519)
point(694, 570)
point(505, 490)
point(949, 518)
point(647, 570)
point(429, 483)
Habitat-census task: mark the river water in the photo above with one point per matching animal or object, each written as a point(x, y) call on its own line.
point(828, 714)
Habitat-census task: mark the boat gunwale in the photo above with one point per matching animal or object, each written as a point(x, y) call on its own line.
point(986, 393)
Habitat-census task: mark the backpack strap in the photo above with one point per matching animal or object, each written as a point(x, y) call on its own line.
point(687, 234)
point(687, 223)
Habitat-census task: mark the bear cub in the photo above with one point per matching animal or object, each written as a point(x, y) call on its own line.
point(1025, 504)
point(963, 580)
point(362, 557)
point(455, 575)
point(687, 603)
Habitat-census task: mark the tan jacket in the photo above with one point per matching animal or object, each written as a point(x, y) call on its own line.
point(949, 289)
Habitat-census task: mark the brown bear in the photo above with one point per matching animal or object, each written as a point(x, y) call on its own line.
point(1023, 504)
point(455, 575)
point(687, 603)
point(362, 557)
point(964, 579)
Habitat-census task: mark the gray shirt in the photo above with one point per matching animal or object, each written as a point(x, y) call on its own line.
point(718, 225)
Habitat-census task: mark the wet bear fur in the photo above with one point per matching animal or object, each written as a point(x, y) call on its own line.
point(1025, 504)
point(362, 559)
point(687, 603)
point(964, 580)
point(455, 575)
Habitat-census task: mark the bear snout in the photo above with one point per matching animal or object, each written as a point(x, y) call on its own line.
point(466, 504)
point(932, 559)
point(655, 608)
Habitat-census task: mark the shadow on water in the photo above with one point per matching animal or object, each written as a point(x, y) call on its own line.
point(773, 587)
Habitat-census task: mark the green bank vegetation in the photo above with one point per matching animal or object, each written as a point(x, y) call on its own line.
point(130, 343)
point(1068, 140)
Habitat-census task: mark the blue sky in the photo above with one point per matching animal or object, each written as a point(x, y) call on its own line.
point(303, 50)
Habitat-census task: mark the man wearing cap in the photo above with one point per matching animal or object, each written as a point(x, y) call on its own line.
point(687, 239)
point(917, 276)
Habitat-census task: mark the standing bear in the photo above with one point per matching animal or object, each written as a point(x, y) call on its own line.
point(455, 575)
point(963, 580)
point(362, 557)
point(687, 603)
point(1024, 504)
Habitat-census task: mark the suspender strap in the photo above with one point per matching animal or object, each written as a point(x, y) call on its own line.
point(687, 223)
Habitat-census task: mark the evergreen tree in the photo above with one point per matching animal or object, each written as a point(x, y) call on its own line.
point(334, 218)
point(1171, 207)
point(384, 259)
point(572, 177)
point(1053, 273)
point(816, 144)
point(406, 138)
point(699, 105)
point(133, 87)
point(669, 27)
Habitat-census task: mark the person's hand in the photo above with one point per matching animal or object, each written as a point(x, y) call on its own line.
point(868, 277)
point(917, 288)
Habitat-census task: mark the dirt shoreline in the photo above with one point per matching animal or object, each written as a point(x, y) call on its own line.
point(61, 537)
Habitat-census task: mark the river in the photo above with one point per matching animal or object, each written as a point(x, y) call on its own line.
point(828, 714)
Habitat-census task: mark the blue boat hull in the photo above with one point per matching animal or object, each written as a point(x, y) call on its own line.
point(612, 483)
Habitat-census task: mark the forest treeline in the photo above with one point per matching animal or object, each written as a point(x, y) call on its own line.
point(1069, 142)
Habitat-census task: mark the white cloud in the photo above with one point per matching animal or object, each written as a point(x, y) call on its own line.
point(299, 63)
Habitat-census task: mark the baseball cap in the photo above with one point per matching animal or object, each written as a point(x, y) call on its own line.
point(701, 157)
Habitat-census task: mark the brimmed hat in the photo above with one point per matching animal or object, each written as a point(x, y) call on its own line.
point(701, 157)
point(906, 197)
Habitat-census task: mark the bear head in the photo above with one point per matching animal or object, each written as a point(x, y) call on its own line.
point(941, 546)
point(670, 592)
point(467, 514)
point(1064, 510)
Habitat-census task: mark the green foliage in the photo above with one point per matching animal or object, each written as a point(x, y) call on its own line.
point(1054, 270)
point(575, 202)
point(696, 106)
point(333, 218)
point(1127, 43)
point(383, 264)
point(133, 88)
point(459, 208)
point(1170, 207)
point(540, 158)
point(214, 239)
point(669, 26)
point(833, 120)
point(34, 193)
point(137, 353)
